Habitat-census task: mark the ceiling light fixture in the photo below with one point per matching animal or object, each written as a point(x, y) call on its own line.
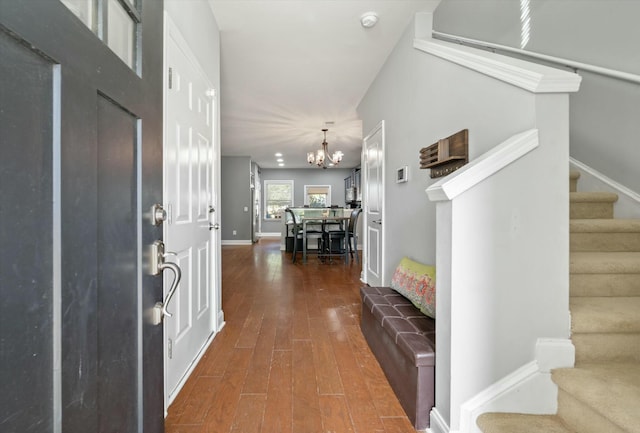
point(369, 19)
point(323, 154)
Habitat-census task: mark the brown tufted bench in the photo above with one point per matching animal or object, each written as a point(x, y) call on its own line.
point(403, 341)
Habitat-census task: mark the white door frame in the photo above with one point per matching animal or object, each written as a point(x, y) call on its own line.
point(365, 223)
point(217, 316)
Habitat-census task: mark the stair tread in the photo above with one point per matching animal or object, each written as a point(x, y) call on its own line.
point(627, 262)
point(605, 314)
point(520, 423)
point(611, 389)
point(603, 225)
point(577, 197)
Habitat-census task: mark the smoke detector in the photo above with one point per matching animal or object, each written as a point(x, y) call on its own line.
point(369, 19)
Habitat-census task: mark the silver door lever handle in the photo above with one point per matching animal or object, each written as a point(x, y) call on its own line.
point(174, 286)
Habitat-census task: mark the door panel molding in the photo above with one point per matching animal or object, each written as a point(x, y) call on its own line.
point(373, 173)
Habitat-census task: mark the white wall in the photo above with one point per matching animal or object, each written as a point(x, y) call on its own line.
point(604, 113)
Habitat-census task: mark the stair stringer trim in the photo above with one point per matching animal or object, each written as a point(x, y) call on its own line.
point(528, 390)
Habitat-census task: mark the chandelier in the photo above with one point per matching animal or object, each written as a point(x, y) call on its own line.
point(319, 158)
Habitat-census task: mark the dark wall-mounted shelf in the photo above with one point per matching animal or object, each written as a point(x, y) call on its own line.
point(447, 155)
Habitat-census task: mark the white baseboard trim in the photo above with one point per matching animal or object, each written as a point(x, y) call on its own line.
point(628, 204)
point(203, 350)
point(220, 320)
point(239, 242)
point(529, 389)
point(269, 235)
point(437, 422)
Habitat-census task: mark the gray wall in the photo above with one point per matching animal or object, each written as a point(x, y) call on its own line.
point(301, 177)
point(605, 112)
point(235, 194)
point(420, 106)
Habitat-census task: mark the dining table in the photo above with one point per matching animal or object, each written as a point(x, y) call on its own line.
point(322, 220)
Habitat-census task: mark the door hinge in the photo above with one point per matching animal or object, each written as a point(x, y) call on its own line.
point(170, 78)
point(170, 348)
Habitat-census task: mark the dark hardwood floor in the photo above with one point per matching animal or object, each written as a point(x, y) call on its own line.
point(291, 358)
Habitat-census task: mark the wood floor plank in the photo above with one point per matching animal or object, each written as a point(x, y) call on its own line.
point(248, 417)
point(398, 425)
point(300, 317)
point(278, 414)
point(218, 359)
point(291, 357)
point(306, 405)
point(324, 360)
point(335, 414)
point(257, 378)
point(197, 405)
point(284, 331)
point(251, 327)
point(221, 410)
point(363, 411)
point(385, 401)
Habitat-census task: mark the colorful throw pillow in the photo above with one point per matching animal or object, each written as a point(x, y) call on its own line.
point(416, 282)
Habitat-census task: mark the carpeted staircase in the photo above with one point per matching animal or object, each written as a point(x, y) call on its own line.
point(602, 393)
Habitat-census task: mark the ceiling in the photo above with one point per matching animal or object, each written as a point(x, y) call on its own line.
point(289, 66)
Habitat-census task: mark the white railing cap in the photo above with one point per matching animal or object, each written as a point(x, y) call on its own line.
point(530, 76)
point(484, 166)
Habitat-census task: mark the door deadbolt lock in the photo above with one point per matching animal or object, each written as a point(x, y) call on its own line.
point(158, 214)
point(158, 265)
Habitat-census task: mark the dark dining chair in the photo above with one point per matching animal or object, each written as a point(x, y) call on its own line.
point(334, 242)
point(297, 232)
point(352, 233)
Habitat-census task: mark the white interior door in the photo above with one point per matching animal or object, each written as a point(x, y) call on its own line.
point(189, 167)
point(373, 200)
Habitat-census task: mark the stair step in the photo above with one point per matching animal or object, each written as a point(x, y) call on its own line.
point(606, 347)
point(610, 390)
point(604, 284)
point(574, 175)
point(604, 235)
point(585, 205)
point(604, 263)
point(579, 417)
point(520, 423)
point(605, 314)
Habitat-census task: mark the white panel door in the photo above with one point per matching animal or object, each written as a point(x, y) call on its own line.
point(374, 206)
point(189, 200)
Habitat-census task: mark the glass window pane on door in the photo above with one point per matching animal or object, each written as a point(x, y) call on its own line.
point(85, 10)
point(121, 33)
